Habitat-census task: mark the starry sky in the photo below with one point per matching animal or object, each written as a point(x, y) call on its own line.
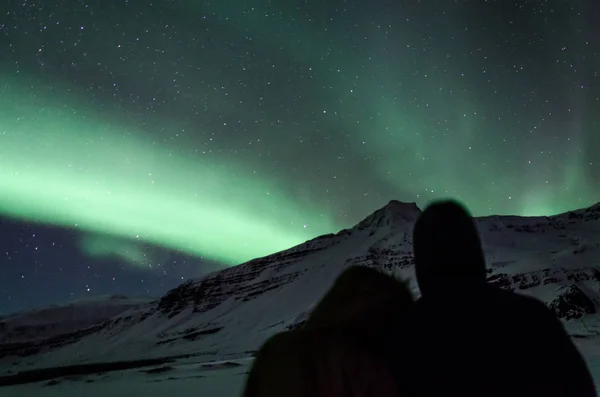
point(146, 142)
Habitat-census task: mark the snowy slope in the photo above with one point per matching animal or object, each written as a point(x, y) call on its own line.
point(47, 322)
point(34, 331)
point(181, 380)
point(220, 379)
point(226, 315)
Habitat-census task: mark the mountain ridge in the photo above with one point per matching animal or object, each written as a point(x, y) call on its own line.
point(230, 312)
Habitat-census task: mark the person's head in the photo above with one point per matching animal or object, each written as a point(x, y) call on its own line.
point(447, 248)
point(318, 363)
point(341, 350)
point(363, 300)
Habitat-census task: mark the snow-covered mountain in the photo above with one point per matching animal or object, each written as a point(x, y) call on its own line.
point(227, 314)
point(47, 322)
point(27, 333)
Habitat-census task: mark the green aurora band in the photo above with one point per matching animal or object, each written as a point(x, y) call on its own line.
point(102, 246)
point(64, 164)
point(413, 152)
point(67, 164)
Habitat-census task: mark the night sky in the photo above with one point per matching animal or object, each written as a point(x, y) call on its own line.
point(143, 143)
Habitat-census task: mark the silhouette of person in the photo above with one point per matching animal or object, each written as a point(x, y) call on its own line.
point(340, 351)
point(468, 338)
point(319, 363)
point(365, 302)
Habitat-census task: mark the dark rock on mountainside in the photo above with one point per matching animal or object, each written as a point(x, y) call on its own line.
point(240, 282)
point(572, 303)
point(526, 280)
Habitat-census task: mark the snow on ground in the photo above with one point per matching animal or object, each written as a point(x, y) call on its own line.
point(213, 379)
point(594, 366)
point(47, 322)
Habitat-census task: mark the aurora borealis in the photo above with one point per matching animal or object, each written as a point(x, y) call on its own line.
point(84, 171)
point(142, 143)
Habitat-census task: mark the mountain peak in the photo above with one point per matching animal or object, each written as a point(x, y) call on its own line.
point(393, 213)
point(396, 206)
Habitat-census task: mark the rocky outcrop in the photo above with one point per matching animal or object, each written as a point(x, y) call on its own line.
point(592, 213)
point(572, 303)
point(243, 282)
point(526, 280)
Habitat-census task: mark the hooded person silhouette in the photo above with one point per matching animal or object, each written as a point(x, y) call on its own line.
point(469, 338)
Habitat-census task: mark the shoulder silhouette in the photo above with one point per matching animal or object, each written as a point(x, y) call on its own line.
point(340, 349)
point(468, 338)
point(312, 362)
